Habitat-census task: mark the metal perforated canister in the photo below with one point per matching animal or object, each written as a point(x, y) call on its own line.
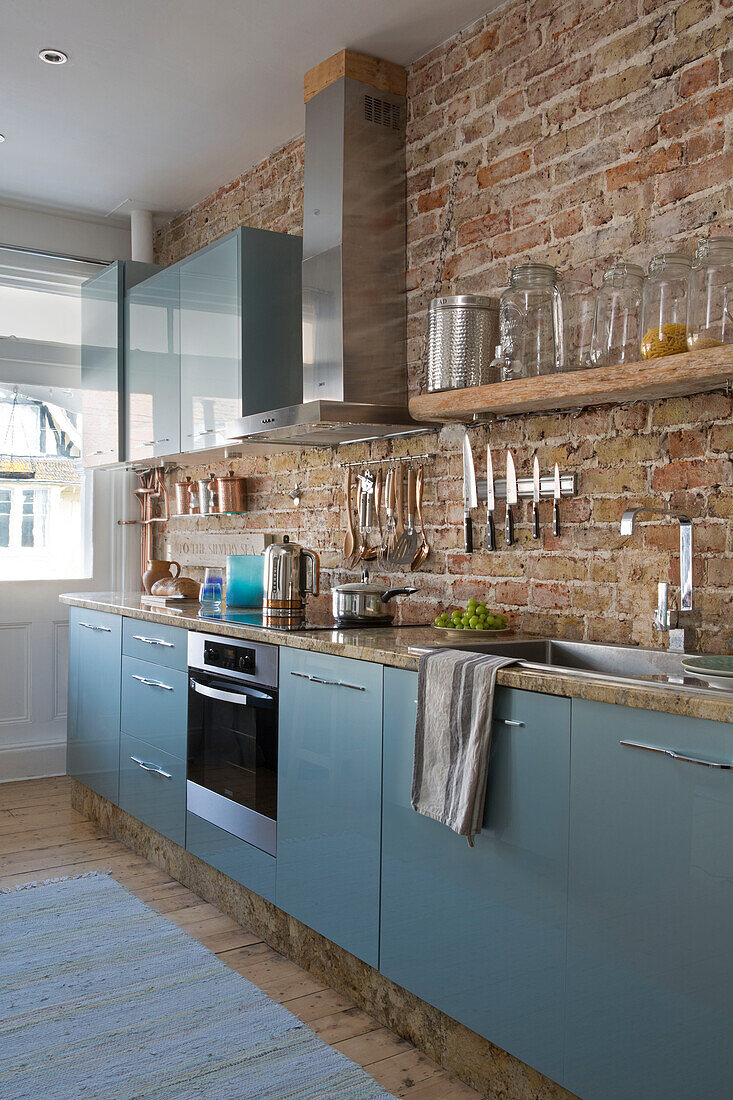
point(462, 333)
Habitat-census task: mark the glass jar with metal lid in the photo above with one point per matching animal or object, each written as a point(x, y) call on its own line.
point(531, 321)
point(710, 297)
point(462, 334)
point(617, 319)
point(664, 312)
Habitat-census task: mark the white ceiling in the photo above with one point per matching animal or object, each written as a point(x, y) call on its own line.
point(162, 101)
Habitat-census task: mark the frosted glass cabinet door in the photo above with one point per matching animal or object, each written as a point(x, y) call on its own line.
point(480, 932)
point(100, 366)
point(650, 917)
point(152, 367)
point(210, 344)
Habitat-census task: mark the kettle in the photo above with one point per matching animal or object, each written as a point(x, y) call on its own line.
point(290, 574)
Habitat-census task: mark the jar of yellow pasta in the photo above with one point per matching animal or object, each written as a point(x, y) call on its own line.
point(664, 306)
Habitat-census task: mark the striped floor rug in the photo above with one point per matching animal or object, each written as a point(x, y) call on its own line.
point(101, 997)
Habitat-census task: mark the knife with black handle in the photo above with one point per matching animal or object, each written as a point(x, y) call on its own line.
point(490, 503)
point(511, 499)
point(536, 499)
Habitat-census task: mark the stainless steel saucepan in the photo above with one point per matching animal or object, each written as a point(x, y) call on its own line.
point(362, 602)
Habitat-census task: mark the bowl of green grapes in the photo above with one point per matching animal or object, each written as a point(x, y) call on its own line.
point(475, 620)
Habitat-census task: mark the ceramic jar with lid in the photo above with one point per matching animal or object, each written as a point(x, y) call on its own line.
point(617, 317)
point(664, 311)
point(531, 321)
point(710, 295)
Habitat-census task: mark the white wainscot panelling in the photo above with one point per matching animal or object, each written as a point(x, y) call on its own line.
point(60, 668)
point(15, 672)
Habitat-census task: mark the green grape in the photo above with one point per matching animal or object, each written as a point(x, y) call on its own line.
point(473, 622)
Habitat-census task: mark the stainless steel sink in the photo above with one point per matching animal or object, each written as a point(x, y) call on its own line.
point(588, 659)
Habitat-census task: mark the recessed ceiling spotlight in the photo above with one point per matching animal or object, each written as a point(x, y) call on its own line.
point(2, 138)
point(53, 57)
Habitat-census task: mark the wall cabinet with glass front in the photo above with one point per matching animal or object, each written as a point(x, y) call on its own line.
point(152, 367)
point(241, 344)
point(102, 359)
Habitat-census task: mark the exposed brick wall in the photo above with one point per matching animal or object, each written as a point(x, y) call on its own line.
point(266, 196)
point(591, 130)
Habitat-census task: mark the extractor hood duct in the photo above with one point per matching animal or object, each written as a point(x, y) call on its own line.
point(354, 258)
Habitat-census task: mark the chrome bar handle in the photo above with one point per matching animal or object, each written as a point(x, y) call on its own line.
point(242, 699)
point(148, 767)
point(153, 641)
point(678, 755)
point(152, 683)
point(509, 722)
point(328, 683)
point(91, 626)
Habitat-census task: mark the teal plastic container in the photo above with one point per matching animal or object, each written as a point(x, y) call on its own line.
point(244, 580)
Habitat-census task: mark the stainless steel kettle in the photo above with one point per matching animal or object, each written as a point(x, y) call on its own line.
point(291, 572)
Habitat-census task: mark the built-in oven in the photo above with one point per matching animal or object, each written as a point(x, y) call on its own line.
point(232, 736)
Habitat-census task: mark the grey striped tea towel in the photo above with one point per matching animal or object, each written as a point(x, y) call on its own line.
point(455, 701)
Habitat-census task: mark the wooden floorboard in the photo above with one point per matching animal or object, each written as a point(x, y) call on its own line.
point(42, 837)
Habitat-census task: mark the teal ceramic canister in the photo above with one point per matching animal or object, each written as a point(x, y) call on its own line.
point(244, 580)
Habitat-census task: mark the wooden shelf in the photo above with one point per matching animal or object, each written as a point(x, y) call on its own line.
point(672, 376)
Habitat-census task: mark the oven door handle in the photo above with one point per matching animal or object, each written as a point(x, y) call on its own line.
point(248, 699)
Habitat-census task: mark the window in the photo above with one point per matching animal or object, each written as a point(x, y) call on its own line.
point(44, 509)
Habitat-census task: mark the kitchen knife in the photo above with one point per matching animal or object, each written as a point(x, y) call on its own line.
point(490, 502)
point(536, 499)
point(511, 498)
point(470, 497)
point(556, 504)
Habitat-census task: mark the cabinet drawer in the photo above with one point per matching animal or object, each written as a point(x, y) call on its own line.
point(153, 787)
point(234, 857)
point(160, 645)
point(155, 705)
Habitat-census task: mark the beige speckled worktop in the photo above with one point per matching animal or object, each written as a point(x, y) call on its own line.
point(391, 645)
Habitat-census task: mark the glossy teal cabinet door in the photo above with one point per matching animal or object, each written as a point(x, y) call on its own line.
point(241, 332)
point(152, 367)
point(210, 344)
point(155, 705)
point(93, 737)
point(650, 922)
point(329, 797)
point(480, 932)
point(154, 642)
point(234, 857)
point(153, 787)
point(102, 360)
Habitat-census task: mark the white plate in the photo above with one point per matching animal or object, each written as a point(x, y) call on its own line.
point(712, 666)
point(722, 683)
point(454, 635)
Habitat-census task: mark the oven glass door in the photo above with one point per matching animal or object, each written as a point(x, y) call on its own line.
point(232, 757)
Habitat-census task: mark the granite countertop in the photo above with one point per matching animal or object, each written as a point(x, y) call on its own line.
point(391, 645)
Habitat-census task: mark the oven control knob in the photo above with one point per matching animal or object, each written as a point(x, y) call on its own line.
point(210, 655)
point(245, 664)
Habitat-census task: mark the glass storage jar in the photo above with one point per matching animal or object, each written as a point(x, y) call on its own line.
point(664, 312)
point(710, 297)
point(578, 307)
point(617, 318)
point(530, 321)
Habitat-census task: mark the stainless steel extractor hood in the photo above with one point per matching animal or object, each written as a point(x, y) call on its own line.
point(354, 258)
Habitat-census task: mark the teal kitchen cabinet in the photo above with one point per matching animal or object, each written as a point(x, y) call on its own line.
point(93, 738)
point(230, 855)
point(163, 645)
point(153, 787)
point(480, 932)
point(650, 917)
point(241, 332)
point(152, 367)
point(155, 705)
point(329, 797)
point(102, 359)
